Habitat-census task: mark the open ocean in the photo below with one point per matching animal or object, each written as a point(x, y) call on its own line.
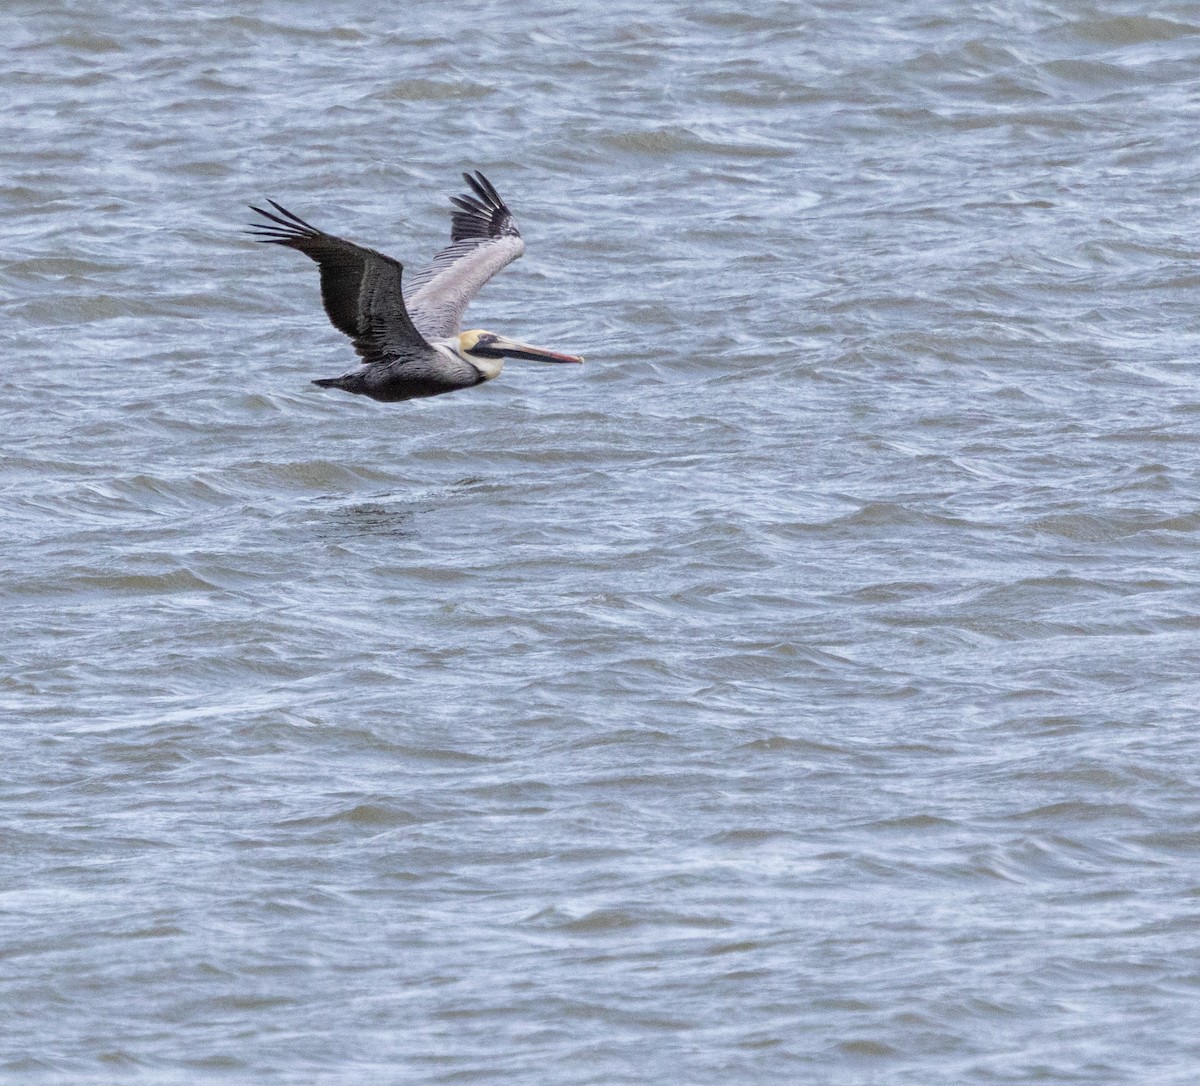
point(804, 690)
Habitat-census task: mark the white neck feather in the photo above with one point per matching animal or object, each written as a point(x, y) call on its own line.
point(489, 368)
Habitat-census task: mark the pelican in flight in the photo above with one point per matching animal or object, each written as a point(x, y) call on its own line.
point(409, 340)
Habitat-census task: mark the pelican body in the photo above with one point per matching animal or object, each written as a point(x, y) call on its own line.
point(410, 342)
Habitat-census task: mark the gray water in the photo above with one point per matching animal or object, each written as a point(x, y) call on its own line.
point(803, 690)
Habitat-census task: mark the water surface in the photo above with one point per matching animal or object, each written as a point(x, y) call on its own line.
point(803, 690)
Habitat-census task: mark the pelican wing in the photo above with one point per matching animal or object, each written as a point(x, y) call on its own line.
point(360, 287)
point(483, 239)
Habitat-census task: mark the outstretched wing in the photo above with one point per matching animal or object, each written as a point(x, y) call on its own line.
point(360, 287)
point(483, 239)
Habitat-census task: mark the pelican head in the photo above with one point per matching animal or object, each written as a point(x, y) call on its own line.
point(487, 351)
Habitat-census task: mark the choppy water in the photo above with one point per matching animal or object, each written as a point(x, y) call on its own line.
point(804, 690)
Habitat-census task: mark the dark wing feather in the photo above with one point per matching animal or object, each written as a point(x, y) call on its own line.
point(481, 213)
point(483, 239)
point(361, 288)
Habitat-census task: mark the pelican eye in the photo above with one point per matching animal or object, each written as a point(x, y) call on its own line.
point(484, 346)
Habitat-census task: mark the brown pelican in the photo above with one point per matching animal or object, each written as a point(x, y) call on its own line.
point(411, 346)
